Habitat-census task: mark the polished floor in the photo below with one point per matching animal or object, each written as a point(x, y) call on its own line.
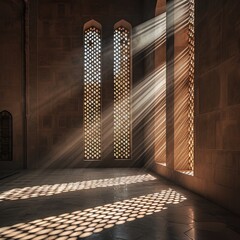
point(107, 204)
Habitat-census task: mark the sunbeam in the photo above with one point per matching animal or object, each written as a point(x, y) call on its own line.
point(143, 99)
point(151, 34)
point(148, 101)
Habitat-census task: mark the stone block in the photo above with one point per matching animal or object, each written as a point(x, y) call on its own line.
point(68, 75)
point(118, 9)
point(236, 156)
point(224, 159)
point(76, 121)
point(92, 7)
point(11, 54)
point(47, 121)
point(66, 44)
point(225, 177)
point(46, 29)
point(209, 92)
point(77, 43)
point(206, 131)
point(45, 93)
point(8, 77)
point(203, 167)
point(209, 41)
point(58, 138)
point(63, 27)
point(206, 9)
point(231, 135)
point(67, 104)
point(76, 59)
point(47, 10)
point(233, 113)
point(77, 28)
point(45, 75)
point(49, 43)
point(62, 121)
point(47, 58)
point(231, 29)
point(234, 86)
point(44, 140)
point(61, 10)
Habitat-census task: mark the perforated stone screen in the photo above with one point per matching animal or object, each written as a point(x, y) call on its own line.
point(122, 94)
point(92, 94)
point(191, 44)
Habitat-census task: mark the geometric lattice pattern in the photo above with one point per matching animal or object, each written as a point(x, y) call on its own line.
point(81, 224)
point(122, 94)
point(20, 192)
point(92, 94)
point(191, 46)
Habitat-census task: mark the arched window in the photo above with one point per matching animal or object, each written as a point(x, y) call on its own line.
point(5, 136)
point(122, 90)
point(92, 90)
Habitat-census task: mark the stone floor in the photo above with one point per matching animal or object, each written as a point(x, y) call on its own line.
point(107, 204)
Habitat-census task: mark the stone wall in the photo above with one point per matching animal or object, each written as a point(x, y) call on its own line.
point(55, 120)
point(217, 106)
point(12, 74)
point(218, 100)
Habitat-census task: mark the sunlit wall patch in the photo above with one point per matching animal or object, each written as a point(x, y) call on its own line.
point(122, 90)
point(92, 91)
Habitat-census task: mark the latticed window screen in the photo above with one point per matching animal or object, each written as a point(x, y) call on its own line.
point(122, 94)
point(191, 45)
point(5, 136)
point(92, 93)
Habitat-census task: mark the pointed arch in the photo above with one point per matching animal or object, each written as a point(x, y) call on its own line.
point(5, 136)
point(123, 23)
point(122, 90)
point(92, 23)
point(92, 90)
